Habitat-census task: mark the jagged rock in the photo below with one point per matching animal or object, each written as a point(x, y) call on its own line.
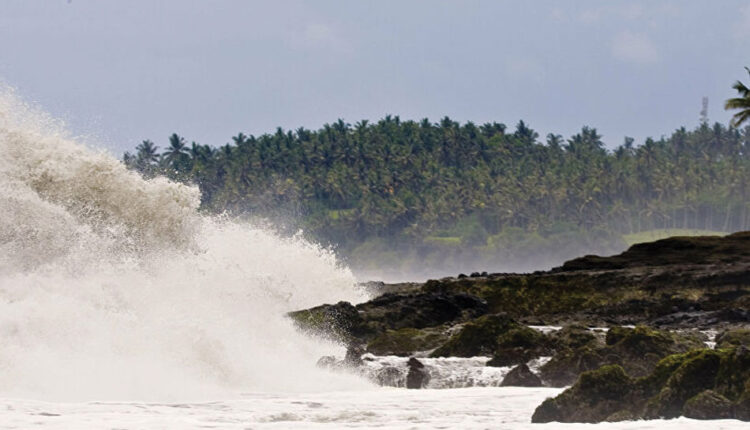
point(406, 341)
point(521, 376)
point(708, 405)
point(418, 377)
point(341, 321)
point(518, 345)
point(573, 336)
point(705, 384)
point(596, 396)
point(478, 337)
point(637, 350)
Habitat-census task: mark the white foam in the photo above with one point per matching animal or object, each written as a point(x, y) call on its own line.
point(389, 408)
point(113, 287)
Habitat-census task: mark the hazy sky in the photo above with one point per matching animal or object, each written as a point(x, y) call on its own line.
point(124, 71)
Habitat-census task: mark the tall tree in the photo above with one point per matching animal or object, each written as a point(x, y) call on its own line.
point(742, 103)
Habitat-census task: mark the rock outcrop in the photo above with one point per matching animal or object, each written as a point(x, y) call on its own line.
point(637, 350)
point(704, 384)
point(521, 376)
point(682, 282)
point(653, 298)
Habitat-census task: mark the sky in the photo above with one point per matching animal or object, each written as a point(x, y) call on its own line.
point(119, 72)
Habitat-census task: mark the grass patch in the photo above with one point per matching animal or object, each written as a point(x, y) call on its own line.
point(443, 240)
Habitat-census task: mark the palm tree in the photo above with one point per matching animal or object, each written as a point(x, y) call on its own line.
point(176, 151)
point(742, 102)
point(147, 152)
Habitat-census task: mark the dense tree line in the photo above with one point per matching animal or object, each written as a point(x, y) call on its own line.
point(448, 184)
point(421, 193)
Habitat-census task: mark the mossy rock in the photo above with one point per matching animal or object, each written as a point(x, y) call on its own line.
point(478, 337)
point(340, 321)
point(565, 366)
point(598, 395)
point(708, 405)
point(519, 345)
point(521, 376)
point(406, 341)
point(574, 336)
point(694, 375)
point(704, 384)
point(733, 378)
point(637, 350)
point(734, 337)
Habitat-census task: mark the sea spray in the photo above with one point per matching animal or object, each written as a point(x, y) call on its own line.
point(116, 287)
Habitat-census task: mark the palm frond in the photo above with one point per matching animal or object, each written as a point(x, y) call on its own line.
point(737, 103)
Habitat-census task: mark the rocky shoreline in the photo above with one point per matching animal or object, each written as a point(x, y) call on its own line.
point(661, 330)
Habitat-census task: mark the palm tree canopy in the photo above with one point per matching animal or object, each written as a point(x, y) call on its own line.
point(742, 103)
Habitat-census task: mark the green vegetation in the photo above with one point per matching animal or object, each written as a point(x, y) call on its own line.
point(742, 103)
point(422, 193)
point(704, 384)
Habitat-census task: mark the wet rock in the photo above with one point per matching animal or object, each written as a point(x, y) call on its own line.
point(390, 311)
point(418, 377)
point(521, 376)
point(708, 405)
point(519, 345)
point(637, 350)
point(733, 337)
point(389, 377)
point(406, 341)
point(340, 321)
point(478, 337)
point(597, 395)
point(574, 336)
point(353, 356)
point(704, 384)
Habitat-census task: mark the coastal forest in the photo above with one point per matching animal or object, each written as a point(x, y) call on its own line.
point(423, 196)
point(397, 192)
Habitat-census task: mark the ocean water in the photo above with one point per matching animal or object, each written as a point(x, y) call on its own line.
point(122, 306)
point(386, 408)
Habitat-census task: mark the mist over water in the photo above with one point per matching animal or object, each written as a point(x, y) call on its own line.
point(114, 287)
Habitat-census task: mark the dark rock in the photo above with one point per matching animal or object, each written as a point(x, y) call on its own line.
point(478, 337)
point(518, 345)
point(596, 396)
point(353, 356)
point(708, 405)
point(671, 251)
point(742, 407)
point(694, 375)
point(521, 376)
point(733, 337)
point(418, 377)
point(390, 311)
point(341, 321)
point(390, 377)
point(705, 384)
point(396, 311)
point(637, 350)
point(406, 341)
point(574, 336)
